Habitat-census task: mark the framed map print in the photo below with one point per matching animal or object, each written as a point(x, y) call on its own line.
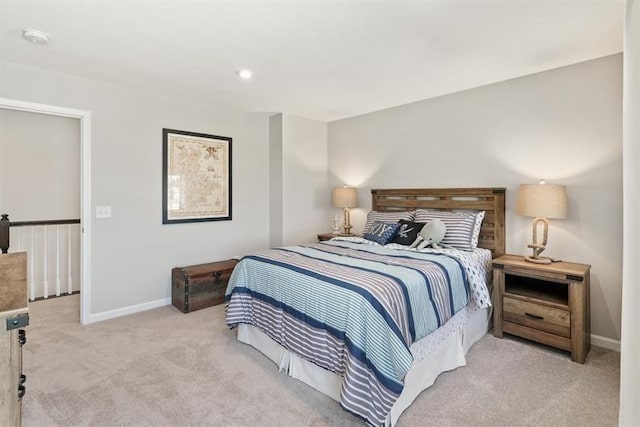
point(196, 177)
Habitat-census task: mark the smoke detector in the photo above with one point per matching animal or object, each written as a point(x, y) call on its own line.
point(35, 36)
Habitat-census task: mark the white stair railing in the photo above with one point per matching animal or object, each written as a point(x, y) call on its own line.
point(53, 253)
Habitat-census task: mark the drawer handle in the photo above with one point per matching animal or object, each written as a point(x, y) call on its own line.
point(534, 316)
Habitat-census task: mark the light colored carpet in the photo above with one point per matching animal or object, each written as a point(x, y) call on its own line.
point(165, 368)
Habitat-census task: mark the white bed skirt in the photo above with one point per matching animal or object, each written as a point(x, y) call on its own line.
point(442, 351)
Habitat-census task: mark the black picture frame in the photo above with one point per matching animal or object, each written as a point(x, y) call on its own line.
point(196, 177)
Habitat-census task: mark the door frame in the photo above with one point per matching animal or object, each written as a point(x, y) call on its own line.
point(85, 189)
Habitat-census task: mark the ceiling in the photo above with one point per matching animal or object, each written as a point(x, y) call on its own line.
point(324, 60)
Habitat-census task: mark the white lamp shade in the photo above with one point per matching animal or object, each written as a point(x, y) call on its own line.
point(542, 200)
point(344, 197)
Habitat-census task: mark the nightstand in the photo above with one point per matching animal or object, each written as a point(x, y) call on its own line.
point(546, 303)
point(328, 236)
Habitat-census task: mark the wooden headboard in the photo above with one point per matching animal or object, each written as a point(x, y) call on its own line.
point(490, 200)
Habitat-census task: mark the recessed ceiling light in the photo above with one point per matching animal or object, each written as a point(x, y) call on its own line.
point(35, 36)
point(244, 74)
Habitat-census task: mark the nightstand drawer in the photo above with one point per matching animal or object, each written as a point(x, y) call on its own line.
point(541, 317)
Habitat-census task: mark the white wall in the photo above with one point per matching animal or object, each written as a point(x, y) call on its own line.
point(133, 253)
point(630, 352)
point(39, 157)
point(306, 198)
point(563, 125)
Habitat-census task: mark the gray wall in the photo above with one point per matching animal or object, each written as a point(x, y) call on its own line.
point(39, 166)
point(563, 125)
point(305, 197)
point(132, 252)
point(299, 200)
point(275, 180)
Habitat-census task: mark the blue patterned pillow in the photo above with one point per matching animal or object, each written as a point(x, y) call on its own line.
point(382, 232)
point(393, 216)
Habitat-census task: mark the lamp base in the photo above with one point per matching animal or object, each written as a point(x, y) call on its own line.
point(538, 260)
point(541, 260)
point(347, 222)
point(537, 249)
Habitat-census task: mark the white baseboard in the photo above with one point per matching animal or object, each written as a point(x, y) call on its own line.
point(604, 342)
point(118, 312)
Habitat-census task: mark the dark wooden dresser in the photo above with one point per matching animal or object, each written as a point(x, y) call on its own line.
point(14, 316)
point(200, 286)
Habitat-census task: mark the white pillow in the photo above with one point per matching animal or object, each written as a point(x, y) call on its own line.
point(476, 229)
point(463, 228)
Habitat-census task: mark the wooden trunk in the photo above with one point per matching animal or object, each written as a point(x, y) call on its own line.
point(200, 286)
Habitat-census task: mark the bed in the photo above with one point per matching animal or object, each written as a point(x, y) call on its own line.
point(372, 325)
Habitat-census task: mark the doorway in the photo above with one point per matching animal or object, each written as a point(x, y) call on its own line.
point(84, 228)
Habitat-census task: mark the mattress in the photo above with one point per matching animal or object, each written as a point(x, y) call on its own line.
point(442, 351)
point(367, 315)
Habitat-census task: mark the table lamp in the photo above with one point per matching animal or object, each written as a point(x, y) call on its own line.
point(345, 197)
point(541, 201)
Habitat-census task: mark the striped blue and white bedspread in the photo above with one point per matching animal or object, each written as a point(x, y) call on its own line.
point(351, 308)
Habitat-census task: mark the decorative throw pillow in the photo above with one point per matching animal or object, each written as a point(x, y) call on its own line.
point(476, 229)
point(382, 232)
point(407, 232)
point(374, 216)
point(461, 227)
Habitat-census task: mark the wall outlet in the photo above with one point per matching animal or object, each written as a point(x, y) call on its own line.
point(103, 211)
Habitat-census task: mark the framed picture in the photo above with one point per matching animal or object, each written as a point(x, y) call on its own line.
point(196, 177)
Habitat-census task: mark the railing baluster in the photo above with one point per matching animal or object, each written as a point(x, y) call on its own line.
point(31, 259)
point(31, 244)
point(57, 260)
point(69, 280)
point(46, 280)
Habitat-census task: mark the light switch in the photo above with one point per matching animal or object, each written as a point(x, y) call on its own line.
point(103, 211)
